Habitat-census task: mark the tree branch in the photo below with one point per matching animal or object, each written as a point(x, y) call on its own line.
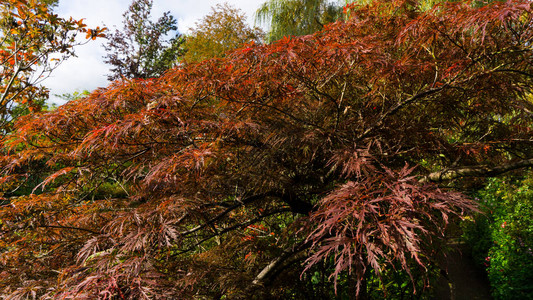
point(231, 228)
point(69, 227)
point(397, 107)
point(480, 171)
point(278, 261)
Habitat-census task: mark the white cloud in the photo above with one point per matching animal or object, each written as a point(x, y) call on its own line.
point(88, 71)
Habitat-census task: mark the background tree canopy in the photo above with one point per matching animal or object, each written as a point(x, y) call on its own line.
point(296, 17)
point(222, 30)
point(338, 157)
point(141, 49)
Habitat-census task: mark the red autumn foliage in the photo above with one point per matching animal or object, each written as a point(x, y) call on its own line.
point(148, 188)
point(384, 219)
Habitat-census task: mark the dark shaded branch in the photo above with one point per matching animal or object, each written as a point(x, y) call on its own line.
point(296, 205)
point(275, 264)
point(397, 108)
point(229, 209)
point(69, 227)
point(479, 171)
point(231, 228)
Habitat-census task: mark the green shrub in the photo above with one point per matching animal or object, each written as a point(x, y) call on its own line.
point(502, 236)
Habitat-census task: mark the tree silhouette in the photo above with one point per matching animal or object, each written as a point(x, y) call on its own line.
point(141, 49)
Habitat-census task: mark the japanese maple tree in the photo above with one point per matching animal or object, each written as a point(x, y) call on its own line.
point(342, 153)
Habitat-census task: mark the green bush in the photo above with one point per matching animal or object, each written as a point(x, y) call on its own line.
point(502, 236)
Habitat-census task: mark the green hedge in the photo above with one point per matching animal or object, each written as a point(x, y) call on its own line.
point(502, 236)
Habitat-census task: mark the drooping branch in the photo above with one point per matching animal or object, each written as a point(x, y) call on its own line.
point(479, 171)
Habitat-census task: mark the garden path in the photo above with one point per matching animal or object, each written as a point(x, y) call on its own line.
point(465, 280)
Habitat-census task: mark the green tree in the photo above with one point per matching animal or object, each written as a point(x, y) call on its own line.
point(74, 95)
point(141, 49)
point(296, 17)
point(222, 30)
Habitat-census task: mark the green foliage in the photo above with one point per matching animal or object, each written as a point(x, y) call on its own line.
point(74, 95)
point(396, 283)
point(393, 283)
point(502, 237)
point(223, 30)
point(296, 17)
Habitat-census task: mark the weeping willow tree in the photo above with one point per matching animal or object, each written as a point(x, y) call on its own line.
point(297, 17)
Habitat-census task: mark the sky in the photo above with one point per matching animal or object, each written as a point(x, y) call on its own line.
point(87, 71)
